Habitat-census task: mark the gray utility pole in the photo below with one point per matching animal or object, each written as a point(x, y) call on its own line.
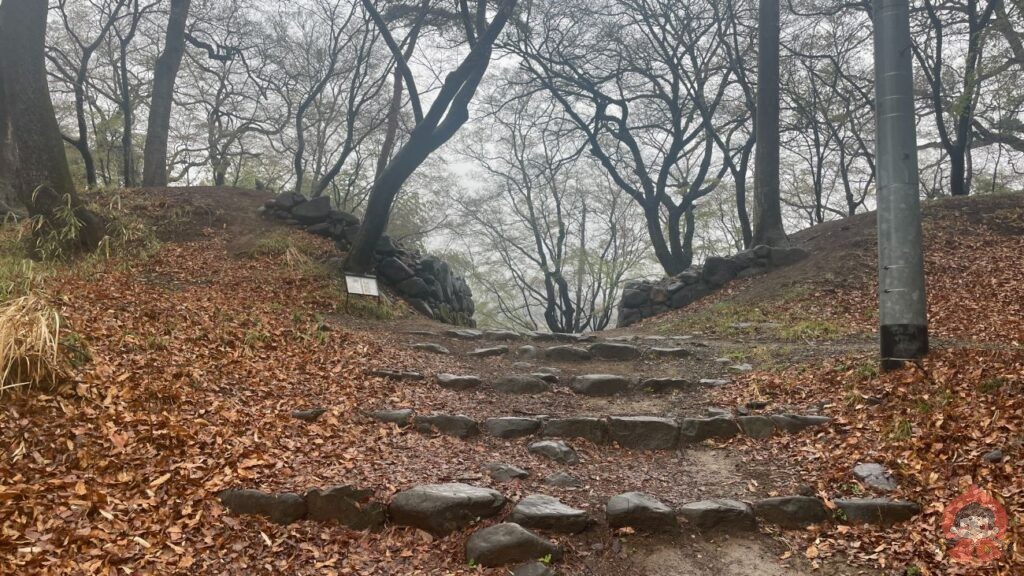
point(901, 295)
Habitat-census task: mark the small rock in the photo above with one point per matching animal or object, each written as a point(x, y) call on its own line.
point(791, 511)
point(741, 368)
point(464, 334)
point(401, 417)
point(549, 370)
point(397, 374)
point(279, 508)
point(310, 415)
point(511, 427)
point(994, 456)
point(547, 377)
point(567, 354)
point(719, 514)
point(347, 505)
point(521, 384)
point(644, 432)
point(548, 513)
point(716, 412)
point(723, 361)
point(454, 382)
point(502, 335)
point(879, 511)
point(671, 352)
point(713, 382)
point(443, 508)
point(556, 450)
point(563, 480)
point(600, 384)
point(505, 472)
point(431, 347)
point(756, 426)
point(528, 352)
point(593, 429)
point(874, 476)
point(639, 511)
point(456, 425)
point(756, 405)
point(508, 543)
point(700, 429)
point(488, 352)
point(533, 569)
point(614, 351)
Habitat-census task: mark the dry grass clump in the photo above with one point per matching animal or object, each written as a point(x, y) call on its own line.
point(30, 347)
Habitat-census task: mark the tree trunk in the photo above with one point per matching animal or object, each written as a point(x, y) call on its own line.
point(154, 156)
point(128, 120)
point(30, 139)
point(768, 227)
point(958, 172)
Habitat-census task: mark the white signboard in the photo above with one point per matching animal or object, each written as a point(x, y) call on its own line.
point(361, 285)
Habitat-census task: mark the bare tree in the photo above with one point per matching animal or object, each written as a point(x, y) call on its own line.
point(768, 228)
point(154, 157)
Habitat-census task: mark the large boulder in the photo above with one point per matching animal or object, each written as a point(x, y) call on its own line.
point(314, 211)
point(643, 432)
point(413, 287)
point(346, 505)
point(394, 270)
point(444, 508)
point(508, 543)
point(639, 511)
point(719, 515)
point(635, 298)
point(512, 427)
point(600, 384)
point(278, 508)
point(287, 200)
point(791, 511)
point(593, 429)
point(522, 384)
point(718, 271)
point(548, 513)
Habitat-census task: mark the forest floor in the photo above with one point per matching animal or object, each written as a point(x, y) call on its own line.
point(202, 345)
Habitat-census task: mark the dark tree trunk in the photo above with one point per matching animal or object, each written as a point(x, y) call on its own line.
point(30, 140)
point(958, 172)
point(154, 157)
point(768, 227)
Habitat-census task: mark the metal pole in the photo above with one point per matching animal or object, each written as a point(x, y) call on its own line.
point(901, 293)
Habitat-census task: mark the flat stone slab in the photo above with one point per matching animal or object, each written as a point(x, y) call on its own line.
point(431, 347)
point(879, 511)
point(444, 508)
point(741, 367)
point(512, 427)
point(600, 384)
point(464, 334)
point(670, 352)
point(593, 429)
point(346, 505)
point(556, 450)
point(278, 508)
point(798, 422)
point(720, 514)
point(700, 429)
point(643, 432)
point(713, 382)
point(614, 351)
point(310, 415)
point(640, 511)
point(567, 354)
point(397, 374)
point(528, 352)
point(875, 476)
point(457, 425)
point(791, 511)
point(756, 426)
point(456, 382)
point(557, 337)
point(546, 376)
point(488, 352)
point(522, 384)
point(505, 472)
point(508, 543)
point(665, 385)
point(402, 417)
point(502, 335)
point(548, 513)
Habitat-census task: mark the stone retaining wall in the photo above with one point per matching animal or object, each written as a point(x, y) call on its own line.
point(425, 281)
point(644, 298)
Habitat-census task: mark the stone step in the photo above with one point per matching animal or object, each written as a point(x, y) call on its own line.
point(542, 381)
point(629, 432)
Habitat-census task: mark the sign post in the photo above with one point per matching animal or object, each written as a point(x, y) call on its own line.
point(361, 286)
